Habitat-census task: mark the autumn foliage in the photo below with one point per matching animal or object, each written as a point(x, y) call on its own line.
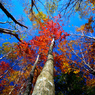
point(27, 52)
point(73, 58)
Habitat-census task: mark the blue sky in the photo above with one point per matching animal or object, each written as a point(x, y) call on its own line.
point(18, 11)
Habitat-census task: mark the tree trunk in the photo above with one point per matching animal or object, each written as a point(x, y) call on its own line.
point(29, 85)
point(45, 82)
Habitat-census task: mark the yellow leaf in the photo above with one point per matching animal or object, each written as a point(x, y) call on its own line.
point(34, 24)
point(76, 71)
point(93, 9)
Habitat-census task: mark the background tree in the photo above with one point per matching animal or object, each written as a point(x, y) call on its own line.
point(70, 84)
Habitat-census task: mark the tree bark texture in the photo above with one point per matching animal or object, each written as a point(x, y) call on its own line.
point(45, 81)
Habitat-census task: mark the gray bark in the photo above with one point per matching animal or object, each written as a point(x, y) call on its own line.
point(45, 81)
point(29, 85)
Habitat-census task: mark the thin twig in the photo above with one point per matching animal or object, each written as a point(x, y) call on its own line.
point(5, 22)
point(83, 36)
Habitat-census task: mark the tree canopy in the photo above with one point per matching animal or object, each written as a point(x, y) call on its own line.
point(44, 51)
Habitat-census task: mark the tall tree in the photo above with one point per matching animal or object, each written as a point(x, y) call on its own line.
point(45, 81)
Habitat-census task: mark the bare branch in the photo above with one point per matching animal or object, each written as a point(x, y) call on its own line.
point(7, 71)
point(10, 93)
point(7, 31)
point(83, 36)
point(10, 16)
point(32, 4)
point(44, 6)
point(69, 6)
point(5, 55)
point(91, 70)
point(5, 22)
point(20, 92)
point(84, 59)
point(29, 84)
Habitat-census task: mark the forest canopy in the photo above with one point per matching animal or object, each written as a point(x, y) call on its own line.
point(47, 47)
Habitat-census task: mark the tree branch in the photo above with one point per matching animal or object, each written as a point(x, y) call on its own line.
point(7, 31)
point(83, 36)
point(29, 84)
point(5, 55)
point(32, 4)
point(91, 70)
point(5, 22)
point(10, 16)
